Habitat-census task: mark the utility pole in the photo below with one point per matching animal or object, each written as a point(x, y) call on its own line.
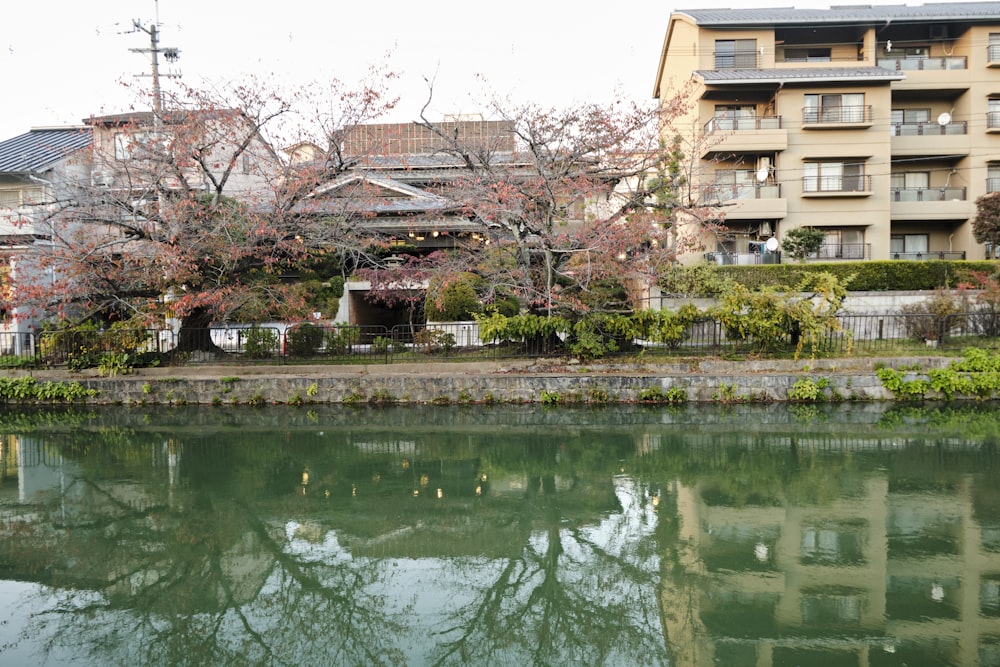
point(170, 54)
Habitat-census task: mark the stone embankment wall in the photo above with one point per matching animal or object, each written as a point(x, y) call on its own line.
point(700, 380)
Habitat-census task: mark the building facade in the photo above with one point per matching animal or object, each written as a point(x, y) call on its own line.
point(879, 125)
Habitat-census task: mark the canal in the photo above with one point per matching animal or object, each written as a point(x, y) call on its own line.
point(737, 535)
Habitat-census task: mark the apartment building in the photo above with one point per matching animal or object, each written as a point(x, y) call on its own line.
point(879, 125)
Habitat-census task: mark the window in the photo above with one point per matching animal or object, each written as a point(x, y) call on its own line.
point(993, 177)
point(993, 111)
point(994, 47)
point(908, 243)
point(735, 53)
point(909, 185)
point(807, 55)
point(908, 121)
point(24, 196)
point(843, 244)
point(833, 177)
point(735, 117)
point(735, 184)
point(907, 52)
point(845, 108)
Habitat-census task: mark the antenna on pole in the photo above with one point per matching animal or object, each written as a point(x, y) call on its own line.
point(170, 54)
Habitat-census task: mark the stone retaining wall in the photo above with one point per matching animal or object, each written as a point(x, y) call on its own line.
point(700, 381)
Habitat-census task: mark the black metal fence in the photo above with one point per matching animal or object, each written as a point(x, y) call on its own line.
point(307, 342)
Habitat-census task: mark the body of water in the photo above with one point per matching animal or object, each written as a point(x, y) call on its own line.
point(758, 536)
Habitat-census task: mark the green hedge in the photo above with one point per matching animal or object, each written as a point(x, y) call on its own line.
point(878, 276)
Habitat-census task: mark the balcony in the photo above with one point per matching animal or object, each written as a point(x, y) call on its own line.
point(993, 121)
point(929, 255)
point(850, 117)
point(745, 135)
point(748, 201)
point(928, 204)
point(924, 64)
point(743, 258)
point(993, 55)
point(842, 251)
point(737, 59)
point(833, 186)
point(929, 138)
point(992, 185)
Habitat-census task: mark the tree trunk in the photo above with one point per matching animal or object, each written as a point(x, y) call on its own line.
point(195, 335)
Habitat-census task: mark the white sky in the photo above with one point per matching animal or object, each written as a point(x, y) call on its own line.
point(63, 60)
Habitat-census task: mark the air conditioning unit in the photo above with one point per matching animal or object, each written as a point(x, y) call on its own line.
point(765, 229)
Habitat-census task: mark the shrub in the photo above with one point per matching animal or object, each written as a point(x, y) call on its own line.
point(801, 242)
point(340, 339)
point(260, 342)
point(453, 298)
point(931, 318)
point(304, 340)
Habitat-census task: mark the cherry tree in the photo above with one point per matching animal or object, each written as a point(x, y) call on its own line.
point(577, 209)
point(193, 212)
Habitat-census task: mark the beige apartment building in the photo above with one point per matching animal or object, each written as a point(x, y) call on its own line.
point(879, 125)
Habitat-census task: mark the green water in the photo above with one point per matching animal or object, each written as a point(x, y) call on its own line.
point(764, 536)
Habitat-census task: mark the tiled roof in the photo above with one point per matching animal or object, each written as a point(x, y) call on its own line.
point(39, 149)
point(776, 75)
point(943, 11)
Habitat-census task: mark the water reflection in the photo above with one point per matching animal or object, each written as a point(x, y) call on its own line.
point(746, 535)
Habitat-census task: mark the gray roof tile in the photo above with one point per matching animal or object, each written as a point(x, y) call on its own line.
point(942, 11)
point(39, 149)
point(717, 76)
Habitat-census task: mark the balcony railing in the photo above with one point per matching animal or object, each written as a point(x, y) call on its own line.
point(993, 185)
point(923, 63)
point(743, 258)
point(993, 120)
point(930, 254)
point(835, 184)
point(746, 124)
point(846, 251)
point(837, 115)
point(928, 194)
point(927, 129)
point(737, 60)
point(726, 192)
point(993, 53)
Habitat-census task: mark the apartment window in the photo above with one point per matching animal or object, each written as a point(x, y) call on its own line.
point(735, 117)
point(909, 243)
point(735, 184)
point(907, 52)
point(833, 177)
point(993, 112)
point(807, 55)
point(908, 186)
point(840, 544)
point(993, 178)
point(843, 108)
point(735, 53)
point(843, 244)
point(993, 52)
point(908, 121)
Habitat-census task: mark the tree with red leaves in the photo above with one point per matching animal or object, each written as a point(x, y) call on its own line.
point(578, 210)
point(191, 213)
point(986, 225)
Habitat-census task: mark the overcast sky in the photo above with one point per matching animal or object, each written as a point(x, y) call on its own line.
point(63, 61)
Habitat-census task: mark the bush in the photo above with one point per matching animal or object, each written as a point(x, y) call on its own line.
point(260, 342)
point(865, 276)
point(340, 339)
point(931, 318)
point(303, 340)
point(453, 298)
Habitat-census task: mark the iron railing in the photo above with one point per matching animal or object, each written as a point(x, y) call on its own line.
point(349, 344)
point(847, 115)
point(924, 63)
